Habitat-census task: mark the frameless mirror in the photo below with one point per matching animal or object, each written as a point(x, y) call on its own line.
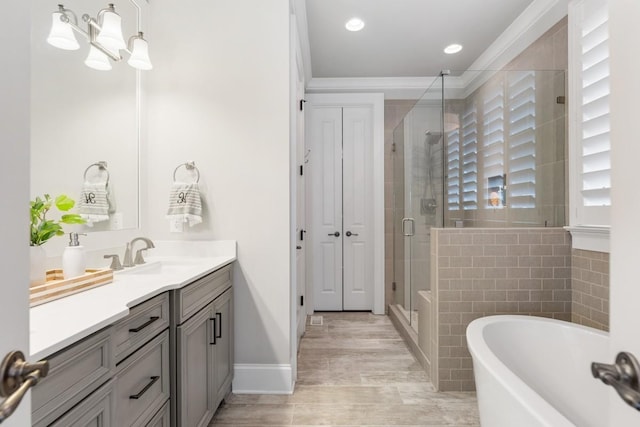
point(81, 116)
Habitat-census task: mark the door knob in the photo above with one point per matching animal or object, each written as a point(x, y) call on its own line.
point(623, 376)
point(349, 234)
point(336, 234)
point(16, 378)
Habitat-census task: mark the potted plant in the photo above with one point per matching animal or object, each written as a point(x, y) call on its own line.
point(43, 229)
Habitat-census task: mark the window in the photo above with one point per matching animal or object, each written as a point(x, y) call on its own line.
point(589, 128)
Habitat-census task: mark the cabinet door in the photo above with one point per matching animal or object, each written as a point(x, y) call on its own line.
point(96, 410)
point(195, 361)
point(223, 307)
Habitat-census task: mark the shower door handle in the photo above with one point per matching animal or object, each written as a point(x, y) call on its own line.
point(406, 221)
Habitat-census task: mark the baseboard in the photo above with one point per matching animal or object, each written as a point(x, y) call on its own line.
point(262, 379)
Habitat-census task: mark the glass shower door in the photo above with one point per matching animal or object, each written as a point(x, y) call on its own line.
point(418, 198)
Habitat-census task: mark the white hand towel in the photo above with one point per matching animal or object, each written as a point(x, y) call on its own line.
point(185, 204)
point(94, 202)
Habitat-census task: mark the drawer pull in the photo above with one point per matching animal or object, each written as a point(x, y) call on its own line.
point(219, 316)
point(144, 325)
point(213, 342)
point(144, 390)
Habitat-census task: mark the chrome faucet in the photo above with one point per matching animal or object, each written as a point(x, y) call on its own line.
point(128, 262)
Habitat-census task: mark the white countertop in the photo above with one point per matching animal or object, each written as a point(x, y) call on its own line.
point(172, 265)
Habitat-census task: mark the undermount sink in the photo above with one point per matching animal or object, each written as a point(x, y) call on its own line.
point(162, 266)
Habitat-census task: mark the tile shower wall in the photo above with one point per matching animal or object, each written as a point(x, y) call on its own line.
point(482, 272)
point(590, 288)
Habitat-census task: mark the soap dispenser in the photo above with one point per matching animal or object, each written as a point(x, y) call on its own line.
point(74, 258)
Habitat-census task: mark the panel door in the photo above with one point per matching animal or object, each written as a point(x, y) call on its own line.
point(357, 176)
point(326, 218)
point(195, 362)
point(223, 307)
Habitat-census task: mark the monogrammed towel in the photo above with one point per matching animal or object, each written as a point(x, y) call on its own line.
point(94, 202)
point(185, 204)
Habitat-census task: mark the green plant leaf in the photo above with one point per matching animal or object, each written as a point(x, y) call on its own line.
point(72, 219)
point(64, 203)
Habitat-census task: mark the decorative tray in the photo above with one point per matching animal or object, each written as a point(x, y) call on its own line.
point(57, 287)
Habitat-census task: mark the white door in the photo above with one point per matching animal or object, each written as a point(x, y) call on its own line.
point(357, 184)
point(14, 173)
point(326, 218)
point(624, 16)
point(342, 214)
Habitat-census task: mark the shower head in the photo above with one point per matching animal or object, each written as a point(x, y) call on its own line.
point(432, 137)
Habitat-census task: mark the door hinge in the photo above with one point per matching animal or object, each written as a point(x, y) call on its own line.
point(301, 299)
point(302, 101)
point(393, 286)
point(301, 170)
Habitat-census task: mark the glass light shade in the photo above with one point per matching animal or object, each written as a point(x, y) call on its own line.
point(110, 35)
point(140, 55)
point(97, 60)
point(61, 34)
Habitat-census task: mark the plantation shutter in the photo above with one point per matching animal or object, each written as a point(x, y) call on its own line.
point(470, 158)
point(596, 146)
point(493, 135)
point(453, 170)
point(522, 139)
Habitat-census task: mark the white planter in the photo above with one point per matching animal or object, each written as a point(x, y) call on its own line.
point(37, 269)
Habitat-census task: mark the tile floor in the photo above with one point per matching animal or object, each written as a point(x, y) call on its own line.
point(354, 370)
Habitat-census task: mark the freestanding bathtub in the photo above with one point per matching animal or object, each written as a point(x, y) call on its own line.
point(533, 372)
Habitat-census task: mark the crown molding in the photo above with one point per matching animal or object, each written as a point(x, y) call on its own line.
point(530, 25)
point(536, 19)
point(392, 87)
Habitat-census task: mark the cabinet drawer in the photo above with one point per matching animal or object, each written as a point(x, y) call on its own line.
point(194, 297)
point(74, 373)
point(144, 322)
point(96, 410)
point(162, 418)
point(142, 385)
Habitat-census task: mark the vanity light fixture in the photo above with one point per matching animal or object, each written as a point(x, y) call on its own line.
point(453, 48)
point(104, 34)
point(354, 24)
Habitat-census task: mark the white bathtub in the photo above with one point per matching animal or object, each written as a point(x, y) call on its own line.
point(533, 372)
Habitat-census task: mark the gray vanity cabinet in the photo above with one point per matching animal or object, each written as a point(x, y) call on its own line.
point(195, 365)
point(223, 348)
point(75, 373)
point(97, 410)
point(204, 347)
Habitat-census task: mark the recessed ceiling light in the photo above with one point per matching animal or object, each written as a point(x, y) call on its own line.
point(354, 24)
point(453, 48)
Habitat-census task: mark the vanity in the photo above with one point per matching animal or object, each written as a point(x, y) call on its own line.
point(153, 348)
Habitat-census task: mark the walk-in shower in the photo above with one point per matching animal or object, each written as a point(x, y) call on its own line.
point(481, 149)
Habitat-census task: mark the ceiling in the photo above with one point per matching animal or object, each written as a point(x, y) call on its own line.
point(403, 38)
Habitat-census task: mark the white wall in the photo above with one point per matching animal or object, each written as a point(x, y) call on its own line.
point(219, 95)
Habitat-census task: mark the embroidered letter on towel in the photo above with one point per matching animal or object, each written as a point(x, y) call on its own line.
point(94, 202)
point(185, 204)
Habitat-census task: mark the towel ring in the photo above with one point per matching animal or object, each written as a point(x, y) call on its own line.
point(189, 166)
point(101, 165)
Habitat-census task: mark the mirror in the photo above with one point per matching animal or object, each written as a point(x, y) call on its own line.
point(81, 116)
